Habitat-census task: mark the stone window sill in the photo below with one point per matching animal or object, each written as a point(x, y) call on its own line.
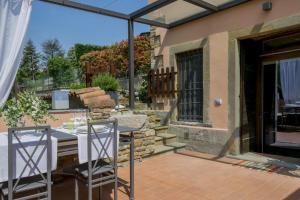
point(201, 124)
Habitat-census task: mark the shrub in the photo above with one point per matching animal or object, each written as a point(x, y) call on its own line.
point(34, 107)
point(143, 92)
point(25, 104)
point(12, 112)
point(106, 82)
point(76, 86)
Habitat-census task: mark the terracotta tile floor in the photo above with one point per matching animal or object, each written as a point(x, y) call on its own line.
point(290, 137)
point(194, 176)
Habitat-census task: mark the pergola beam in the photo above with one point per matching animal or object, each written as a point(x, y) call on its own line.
point(88, 8)
point(203, 4)
point(206, 13)
point(102, 11)
point(150, 7)
point(151, 22)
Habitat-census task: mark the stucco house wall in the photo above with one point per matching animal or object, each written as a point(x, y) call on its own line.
point(218, 35)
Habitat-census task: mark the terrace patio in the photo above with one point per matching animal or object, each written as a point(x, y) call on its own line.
point(188, 175)
point(178, 174)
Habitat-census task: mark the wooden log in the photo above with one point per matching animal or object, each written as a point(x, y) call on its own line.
point(86, 90)
point(104, 101)
point(92, 94)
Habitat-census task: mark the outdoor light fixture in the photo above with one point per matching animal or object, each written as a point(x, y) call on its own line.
point(267, 6)
point(218, 101)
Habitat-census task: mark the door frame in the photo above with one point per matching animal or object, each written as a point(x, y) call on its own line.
point(271, 56)
point(285, 151)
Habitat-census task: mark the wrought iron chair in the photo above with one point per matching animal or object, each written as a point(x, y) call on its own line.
point(32, 182)
point(102, 170)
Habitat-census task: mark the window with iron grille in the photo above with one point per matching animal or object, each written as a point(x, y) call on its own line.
point(190, 86)
point(157, 41)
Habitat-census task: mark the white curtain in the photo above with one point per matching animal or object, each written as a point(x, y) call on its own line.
point(14, 18)
point(290, 80)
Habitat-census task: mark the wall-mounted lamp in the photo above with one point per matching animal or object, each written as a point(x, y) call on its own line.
point(267, 6)
point(218, 101)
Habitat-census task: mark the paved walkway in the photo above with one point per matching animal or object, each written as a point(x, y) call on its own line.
point(194, 176)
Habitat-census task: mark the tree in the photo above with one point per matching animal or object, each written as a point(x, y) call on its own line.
point(76, 51)
point(71, 57)
point(62, 72)
point(81, 49)
point(114, 59)
point(29, 68)
point(52, 48)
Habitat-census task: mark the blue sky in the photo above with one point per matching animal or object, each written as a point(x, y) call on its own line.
point(72, 26)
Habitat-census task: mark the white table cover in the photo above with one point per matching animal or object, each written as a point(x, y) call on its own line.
point(29, 141)
point(106, 139)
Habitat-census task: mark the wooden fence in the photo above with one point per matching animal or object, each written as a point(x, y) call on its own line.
point(161, 82)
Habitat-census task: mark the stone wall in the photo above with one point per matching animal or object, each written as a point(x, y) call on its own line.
point(203, 139)
point(144, 142)
point(156, 117)
point(144, 139)
point(100, 114)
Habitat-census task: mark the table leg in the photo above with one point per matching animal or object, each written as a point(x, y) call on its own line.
point(131, 166)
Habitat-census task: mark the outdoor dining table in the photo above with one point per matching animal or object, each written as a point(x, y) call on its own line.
point(297, 105)
point(293, 108)
point(67, 145)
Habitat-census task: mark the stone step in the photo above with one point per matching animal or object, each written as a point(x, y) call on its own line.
point(161, 129)
point(157, 119)
point(158, 141)
point(173, 147)
point(165, 138)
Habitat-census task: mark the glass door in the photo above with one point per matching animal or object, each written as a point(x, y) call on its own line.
point(281, 107)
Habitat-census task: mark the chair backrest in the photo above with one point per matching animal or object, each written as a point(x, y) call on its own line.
point(281, 106)
point(102, 142)
point(29, 154)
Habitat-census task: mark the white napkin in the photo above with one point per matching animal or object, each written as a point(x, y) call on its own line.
point(29, 140)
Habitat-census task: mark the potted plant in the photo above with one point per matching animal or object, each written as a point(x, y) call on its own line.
point(109, 84)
